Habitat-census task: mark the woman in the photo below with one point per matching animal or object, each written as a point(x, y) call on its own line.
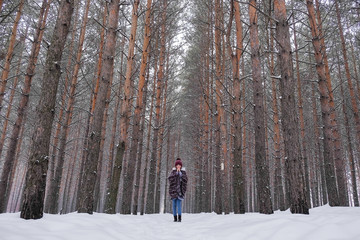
point(177, 188)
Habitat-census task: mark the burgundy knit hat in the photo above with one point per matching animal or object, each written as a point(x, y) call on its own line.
point(178, 162)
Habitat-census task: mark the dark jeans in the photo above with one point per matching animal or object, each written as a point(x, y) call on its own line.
point(176, 204)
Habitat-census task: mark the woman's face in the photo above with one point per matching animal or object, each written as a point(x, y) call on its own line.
point(178, 167)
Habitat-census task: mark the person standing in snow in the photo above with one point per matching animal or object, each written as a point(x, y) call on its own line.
point(177, 188)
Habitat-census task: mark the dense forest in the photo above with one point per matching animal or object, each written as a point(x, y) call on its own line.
point(260, 100)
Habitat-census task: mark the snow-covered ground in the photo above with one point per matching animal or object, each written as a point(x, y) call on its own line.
point(322, 223)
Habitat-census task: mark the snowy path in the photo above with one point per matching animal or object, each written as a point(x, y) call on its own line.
point(323, 223)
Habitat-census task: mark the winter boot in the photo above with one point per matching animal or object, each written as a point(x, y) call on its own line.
point(175, 218)
point(179, 220)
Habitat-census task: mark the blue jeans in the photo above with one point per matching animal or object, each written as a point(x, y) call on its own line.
point(176, 204)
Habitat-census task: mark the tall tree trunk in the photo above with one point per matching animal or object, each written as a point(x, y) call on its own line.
point(114, 181)
point(14, 139)
point(319, 162)
point(54, 189)
point(293, 158)
point(160, 145)
point(301, 115)
point(19, 192)
point(115, 165)
point(337, 148)
point(224, 121)
point(92, 102)
point(70, 179)
point(150, 202)
point(244, 142)
point(340, 165)
point(349, 142)
point(219, 116)
point(54, 151)
point(147, 162)
point(34, 192)
point(279, 196)
point(150, 205)
point(169, 159)
point(9, 54)
point(212, 110)
point(326, 108)
point(98, 186)
point(262, 166)
point(115, 121)
point(207, 152)
point(129, 171)
point(140, 150)
point(125, 115)
point(76, 177)
point(238, 177)
point(88, 179)
point(133, 160)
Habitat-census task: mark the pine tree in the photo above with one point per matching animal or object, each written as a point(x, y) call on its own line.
point(293, 157)
point(88, 179)
point(34, 192)
point(262, 167)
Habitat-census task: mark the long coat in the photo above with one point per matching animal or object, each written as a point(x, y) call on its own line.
point(177, 184)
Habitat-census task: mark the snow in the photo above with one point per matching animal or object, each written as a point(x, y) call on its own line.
point(323, 223)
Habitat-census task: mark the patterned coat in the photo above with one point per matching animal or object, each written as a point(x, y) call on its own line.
point(177, 184)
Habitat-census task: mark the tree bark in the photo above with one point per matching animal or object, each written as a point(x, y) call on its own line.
point(54, 189)
point(340, 165)
point(72, 183)
point(326, 108)
point(219, 110)
point(147, 162)
point(319, 161)
point(86, 204)
point(301, 115)
point(279, 196)
point(125, 116)
point(140, 151)
point(337, 148)
point(96, 82)
point(114, 165)
point(133, 160)
point(161, 140)
point(349, 142)
point(262, 166)
point(238, 177)
point(54, 152)
point(151, 204)
point(98, 187)
point(207, 130)
point(293, 158)
point(131, 163)
point(34, 192)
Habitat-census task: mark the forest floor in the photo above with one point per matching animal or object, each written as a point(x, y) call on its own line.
point(323, 223)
